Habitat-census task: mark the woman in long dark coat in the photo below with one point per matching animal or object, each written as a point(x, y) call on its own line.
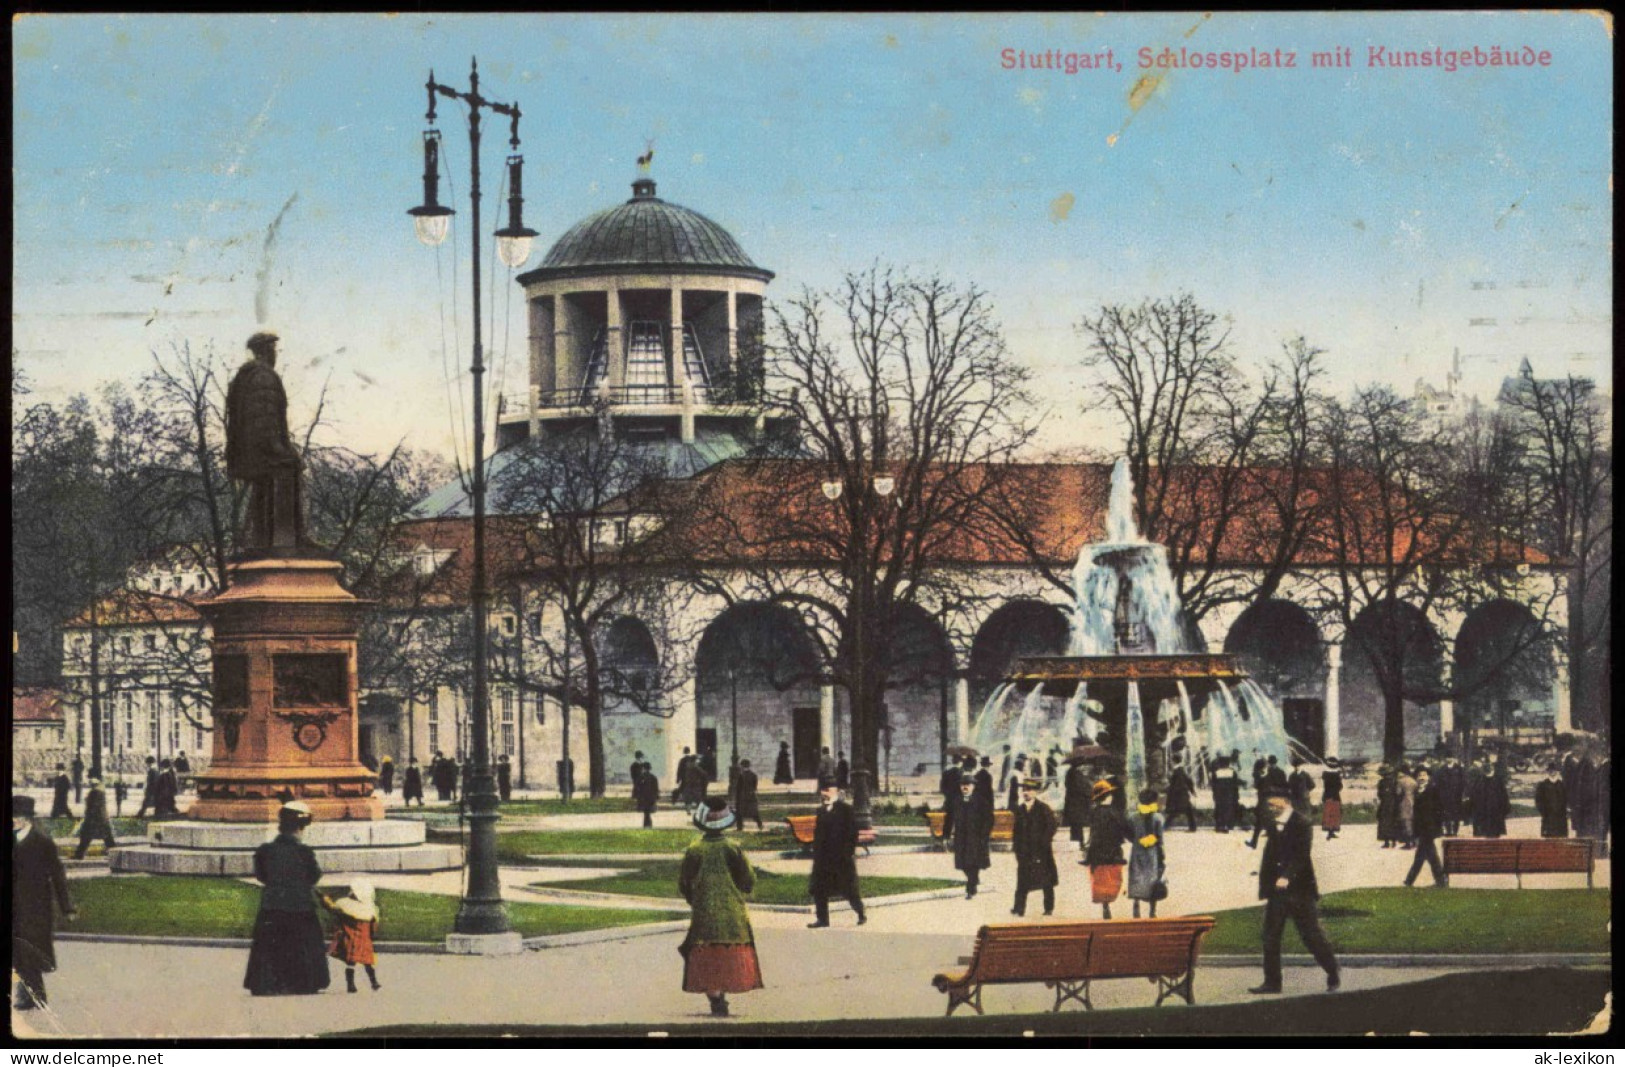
point(38, 883)
point(1389, 831)
point(1552, 802)
point(1075, 808)
point(972, 827)
point(719, 953)
point(782, 775)
point(289, 954)
point(1331, 797)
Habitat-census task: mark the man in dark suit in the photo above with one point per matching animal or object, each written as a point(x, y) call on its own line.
point(834, 851)
point(984, 785)
point(412, 783)
point(96, 823)
point(747, 803)
point(1286, 884)
point(149, 794)
point(1035, 850)
point(60, 786)
point(37, 882)
point(973, 826)
point(948, 786)
point(1427, 823)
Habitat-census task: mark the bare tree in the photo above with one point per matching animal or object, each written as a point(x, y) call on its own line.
point(908, 411)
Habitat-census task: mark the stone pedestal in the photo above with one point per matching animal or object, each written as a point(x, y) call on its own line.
point(285, 714)
point(384, 846)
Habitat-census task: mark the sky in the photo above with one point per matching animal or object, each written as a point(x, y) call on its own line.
point(186, 180)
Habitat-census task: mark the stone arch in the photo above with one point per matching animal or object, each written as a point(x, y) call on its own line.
point(1278, 644)
point(1503, 670)
point(757, 664)
point(1018, 628)
point(918, 695)
point(1396, 639)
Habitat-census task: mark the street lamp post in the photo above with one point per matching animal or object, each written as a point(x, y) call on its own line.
point(482, 918)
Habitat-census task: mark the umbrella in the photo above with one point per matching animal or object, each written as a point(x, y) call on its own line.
point(1083, 753)
point(961, 751)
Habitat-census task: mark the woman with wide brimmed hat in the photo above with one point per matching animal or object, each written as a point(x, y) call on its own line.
point(1109, 828)
point(288, 955)
point(1331, 797)
point(719, 952)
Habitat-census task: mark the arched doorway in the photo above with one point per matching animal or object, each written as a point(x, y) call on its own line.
point(634, 698)
point(1277, 643)
point(1390, 642)
point(757, 680)
point(914, 724)
point(1019, 628)
point(1503, 671)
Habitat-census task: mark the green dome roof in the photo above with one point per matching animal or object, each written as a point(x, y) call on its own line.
point(647, 232)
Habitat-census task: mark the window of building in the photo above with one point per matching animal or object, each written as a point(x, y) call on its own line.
point(151, 641)
point(507, 722)
point(535, 624)
point(107, 729)
point(434, 723)
point(597, 366)
point(153, 734)
point(128, 701)
point(694, 365)
point(197, 735)
point(646, 379)
point(124, 644)
point(509, 626)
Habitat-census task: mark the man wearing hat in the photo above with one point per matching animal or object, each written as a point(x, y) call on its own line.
point(1109, 828)
point(747, 800)
point(61, 785)
point(835, 861)
point(1035, 851)
point(260, 451)
point(1286, 884)
point(37, 880)
point(984, 785)
point(972, 829)
point(96, 823)
point(948, 786)
point(1075, 806)
point(288, 955)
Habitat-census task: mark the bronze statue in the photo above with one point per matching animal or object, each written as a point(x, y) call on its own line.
point(260, 451)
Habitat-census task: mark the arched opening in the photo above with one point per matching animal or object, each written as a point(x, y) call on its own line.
point(757, 678)
point(1504, 675)
point(914, 725)
point(1390, 647)
point(635, 700)
point(1019, 628)
point(1277, 643)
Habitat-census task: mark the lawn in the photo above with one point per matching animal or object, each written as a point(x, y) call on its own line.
point(1394, 919)
point(1521, 1002)
point(67, 830)
point(224, 907)
point(521, 846)
point(660, 880)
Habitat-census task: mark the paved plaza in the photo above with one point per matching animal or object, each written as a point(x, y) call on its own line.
point(124, 990)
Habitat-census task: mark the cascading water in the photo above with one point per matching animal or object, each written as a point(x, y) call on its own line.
point(1126, 606)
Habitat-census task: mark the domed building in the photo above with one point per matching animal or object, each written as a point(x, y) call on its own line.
point(654, 309)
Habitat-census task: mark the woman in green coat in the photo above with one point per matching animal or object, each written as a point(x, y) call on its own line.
point(720, 949)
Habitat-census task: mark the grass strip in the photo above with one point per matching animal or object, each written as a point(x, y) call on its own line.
point(1537, 1001)
point(1425, 921)
point(521, 846)
point(173, 906)
point(659, 879)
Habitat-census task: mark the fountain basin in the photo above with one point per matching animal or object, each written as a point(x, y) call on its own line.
point(1061, 675)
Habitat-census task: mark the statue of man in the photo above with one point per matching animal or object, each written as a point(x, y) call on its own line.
point(260, 452)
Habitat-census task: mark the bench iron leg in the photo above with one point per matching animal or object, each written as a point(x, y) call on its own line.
point(1065, 991)
point(1168, 987)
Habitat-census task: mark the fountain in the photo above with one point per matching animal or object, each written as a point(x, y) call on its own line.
point(1132, 676)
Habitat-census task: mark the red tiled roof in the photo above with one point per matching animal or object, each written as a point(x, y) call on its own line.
point(138, 607)
point(37, 705)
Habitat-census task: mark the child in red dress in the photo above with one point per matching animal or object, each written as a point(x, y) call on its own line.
point(357, 921)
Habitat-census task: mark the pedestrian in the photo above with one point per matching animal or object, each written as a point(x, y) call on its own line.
point(287, 956)
point(1004, 769)
point(412, 783)
point(386, 776)
point(1331, 797)
point(834, 862)
point(1226, 794)
point(38, 883)
point(1601, 786)
point(169, 788)
point(948, 786)
point(826, 763)
point(1261, 783)
point(1497, 802)
point(695, 783)
point(680, 777)
point(1426, 824)
point(636, 771)
point(78, 776)
point(61, 785)
point(183, 770)
point(355, 917)
point(1450, 783)
point(120, 791)
point(1388, 826)
point(782, 774)
point(1181, 788)
point(1301, 786)
point(984, 785)
point(1052, 767)
point(719, 953)
point(1147, 863)
point(747, 803)
point(437, 774)
point(843, 772)
point(972, 830)
point(1405, 784)
point(96, 824)
point(149, 792)
point(565, 768)
point(504, 778)
point(1075, 805)
point(1286, 885)
point(1108, 829)
point(646, 792)
point(1034, 846)
point(1552, 801)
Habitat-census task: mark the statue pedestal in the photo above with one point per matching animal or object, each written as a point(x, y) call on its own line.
point(285, 714)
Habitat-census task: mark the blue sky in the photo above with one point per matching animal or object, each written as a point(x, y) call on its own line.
point(175, 176)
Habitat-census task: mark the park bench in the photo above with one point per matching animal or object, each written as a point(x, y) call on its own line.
point(802, 826)
point(1519, 856)
point(1004, 826)
point(1067, 957)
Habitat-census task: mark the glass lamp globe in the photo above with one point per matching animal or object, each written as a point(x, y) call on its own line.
point(431, 228)
point(513, 251)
